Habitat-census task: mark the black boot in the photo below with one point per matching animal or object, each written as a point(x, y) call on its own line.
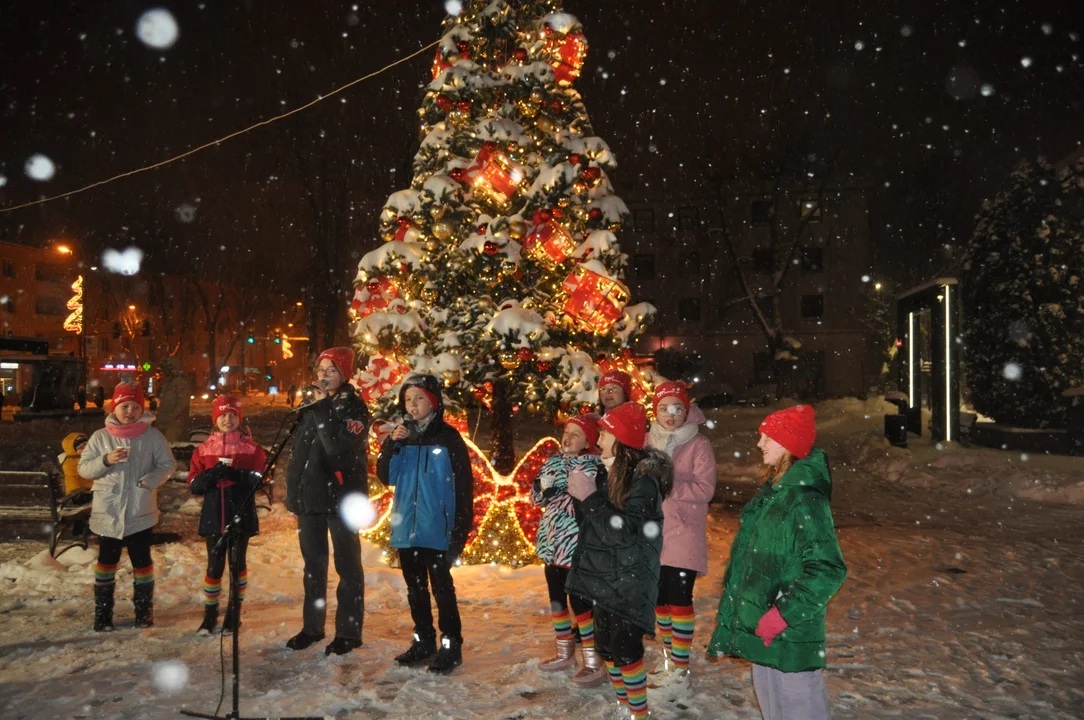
point(303, 640)
point(143, 599)
point(231, 621)
point(419, 651)
point(449, 657)
point(103, 608)
point(210, 617)
point(341, 646)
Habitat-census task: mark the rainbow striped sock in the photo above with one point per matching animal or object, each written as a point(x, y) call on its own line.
point(242, 583)
point(684, 618)
point(143, 575)
point(562, 624)
point(586, 624)
point(104, 574)
point(635, 677)
point(212, 588)
point(662, 617)
point(618, 681)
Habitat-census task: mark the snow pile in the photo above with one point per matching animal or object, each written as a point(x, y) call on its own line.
point(520, 324)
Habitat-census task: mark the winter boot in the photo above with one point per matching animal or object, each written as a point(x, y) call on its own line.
point(593, 671)
point(303, 640)
point(449, 657)
point(143, 599)
point(565, 657)
point(210, 617)
point(420, 650)
point(231, 621)
point(341, 646)
point(103, 608)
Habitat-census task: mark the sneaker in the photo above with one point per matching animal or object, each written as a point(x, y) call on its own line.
point(303, 640)
point(449, 657)
point(341, 646)
point(210, 619)
point(419, 651)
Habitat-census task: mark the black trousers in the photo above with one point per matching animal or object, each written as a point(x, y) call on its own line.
point(216, 559)
point(556, 578)
point(312, 532)
point(420, 567)
point(138, 544)
point(676, 586)
point(616, 639)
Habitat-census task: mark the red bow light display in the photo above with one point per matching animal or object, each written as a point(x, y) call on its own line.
point(375, 295)
point(381, 375)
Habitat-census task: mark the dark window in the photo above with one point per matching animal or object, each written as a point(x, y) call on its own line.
point(689, 264)
point(49, 273)
point(812, 259)
point(811, 208)
point(689, 309)
point(9, 269)
point(644, 266)
point(767, 307)
point(812, 306)
point(49, 306)
point(7, 304)
point(764, 261)
point(688, 219)
point(644, 220)
point(763, 212)
point(763, 367)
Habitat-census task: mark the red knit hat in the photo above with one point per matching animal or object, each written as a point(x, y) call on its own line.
point(616, 377)
point(628, 423)
point(342, 357)
point(792, 428)
point(589, 425)
point(670, 389)
point(128, 392)
point(226, 404)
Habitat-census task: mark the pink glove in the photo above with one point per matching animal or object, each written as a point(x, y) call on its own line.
point(770, 625)
point(580, 484)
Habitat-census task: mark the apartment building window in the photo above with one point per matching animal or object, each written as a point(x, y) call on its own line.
point(689, 309)
point(47, 272)
point(811, 208)
point(9, 269)
point(46, 305)
point(688, 219)
point(7, 304)
point(644, 219)
point(762, 212)
point(643, 266)
point(764, 261)
point(812, 259)
point(689, 264)
point(812, 306)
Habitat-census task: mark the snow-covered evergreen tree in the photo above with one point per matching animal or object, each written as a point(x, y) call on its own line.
point(501, 270)
point(1024, 299)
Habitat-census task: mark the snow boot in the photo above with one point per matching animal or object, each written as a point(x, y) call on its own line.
point(449, 657)
point(103, 608)
point(420, 650)
point(565, 657)
point(210, 618)
point(341, 646)
point(143, 599)
point(593, 671)
point(231, 621)
point(303, 640)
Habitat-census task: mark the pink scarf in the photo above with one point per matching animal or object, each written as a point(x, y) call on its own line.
point(131, 430)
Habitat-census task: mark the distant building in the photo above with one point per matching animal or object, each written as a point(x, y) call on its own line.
point(680, 260)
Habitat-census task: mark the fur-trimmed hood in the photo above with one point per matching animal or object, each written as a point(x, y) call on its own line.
point(656, 464)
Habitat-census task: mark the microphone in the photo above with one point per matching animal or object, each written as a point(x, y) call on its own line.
point(308, 398)
point(397, 445)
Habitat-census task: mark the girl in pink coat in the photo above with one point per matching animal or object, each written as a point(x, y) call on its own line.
point(684, 527)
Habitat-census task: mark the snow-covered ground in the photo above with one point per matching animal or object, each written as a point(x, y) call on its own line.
point(966, 567)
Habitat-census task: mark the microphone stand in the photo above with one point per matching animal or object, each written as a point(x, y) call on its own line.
point(231, 538)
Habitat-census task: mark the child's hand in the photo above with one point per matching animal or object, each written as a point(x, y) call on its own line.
point(401, 432)
point(581, 485)
point(116, 456)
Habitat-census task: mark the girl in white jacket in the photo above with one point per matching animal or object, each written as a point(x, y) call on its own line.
point(127, 460)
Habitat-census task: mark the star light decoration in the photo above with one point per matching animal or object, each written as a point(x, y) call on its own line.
point(505, 521)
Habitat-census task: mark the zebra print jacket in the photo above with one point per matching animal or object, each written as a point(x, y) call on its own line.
point(557, 530)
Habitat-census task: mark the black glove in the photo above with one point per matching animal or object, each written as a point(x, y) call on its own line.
point(206, 480)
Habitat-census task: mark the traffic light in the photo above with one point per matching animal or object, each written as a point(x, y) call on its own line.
point(251, 337)
point(278, 337)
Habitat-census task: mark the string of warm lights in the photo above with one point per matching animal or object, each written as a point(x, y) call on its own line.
point(212, 143)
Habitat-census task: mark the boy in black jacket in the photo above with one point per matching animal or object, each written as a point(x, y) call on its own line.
point(328, 462)
point(426, 460)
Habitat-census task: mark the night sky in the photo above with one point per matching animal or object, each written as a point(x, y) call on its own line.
point(691, 96)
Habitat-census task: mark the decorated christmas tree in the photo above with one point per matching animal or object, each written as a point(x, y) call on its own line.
point(1024, 298)
point(501, 272)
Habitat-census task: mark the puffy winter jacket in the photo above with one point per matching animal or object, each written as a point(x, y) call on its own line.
point(121, 506)
point(555, 542)
point(616, 563)
point(785, 554)
point(329, 454)
point(433, 481)
point(226, 488)
point(69, 464)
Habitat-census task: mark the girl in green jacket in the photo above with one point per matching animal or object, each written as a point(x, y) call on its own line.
point(785, 565)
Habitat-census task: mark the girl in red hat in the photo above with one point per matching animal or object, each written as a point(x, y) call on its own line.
point(785, 565)
point(685, 526)
point(225, 469)
point(555, 545)
point(616, 564)
point(614, 389)
point(127, 460)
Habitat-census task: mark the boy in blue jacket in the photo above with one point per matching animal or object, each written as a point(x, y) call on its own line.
point(426, 461)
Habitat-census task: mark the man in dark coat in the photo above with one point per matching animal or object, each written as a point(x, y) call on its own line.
point(327, 463)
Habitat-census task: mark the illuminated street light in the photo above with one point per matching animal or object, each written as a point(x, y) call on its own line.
point(131, 307)
point(63, 249)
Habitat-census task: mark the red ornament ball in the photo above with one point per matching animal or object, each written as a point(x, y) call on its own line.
point(520, 55)
point(463, 106)
point(575, 158)
point(557, 212)
point(489, 146)
point(525, 354)
point(481, 229)
point(404, 222)
point(591, 173)
point(544, 216)
point(585, 409)
point(594, 214)
point(444, 103)
point(373, 285)
point(491, 248)
point(457, 174)
point(462, 47)
point(543, 365)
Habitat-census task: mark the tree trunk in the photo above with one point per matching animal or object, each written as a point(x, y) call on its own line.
point(502, 454)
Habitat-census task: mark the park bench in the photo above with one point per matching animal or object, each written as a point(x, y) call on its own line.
point(38, 496)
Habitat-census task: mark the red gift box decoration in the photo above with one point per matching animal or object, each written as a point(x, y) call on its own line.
point(567, 55)
point(493, 176)
point(595, 301)
point(549, 243)
point(375, 295)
